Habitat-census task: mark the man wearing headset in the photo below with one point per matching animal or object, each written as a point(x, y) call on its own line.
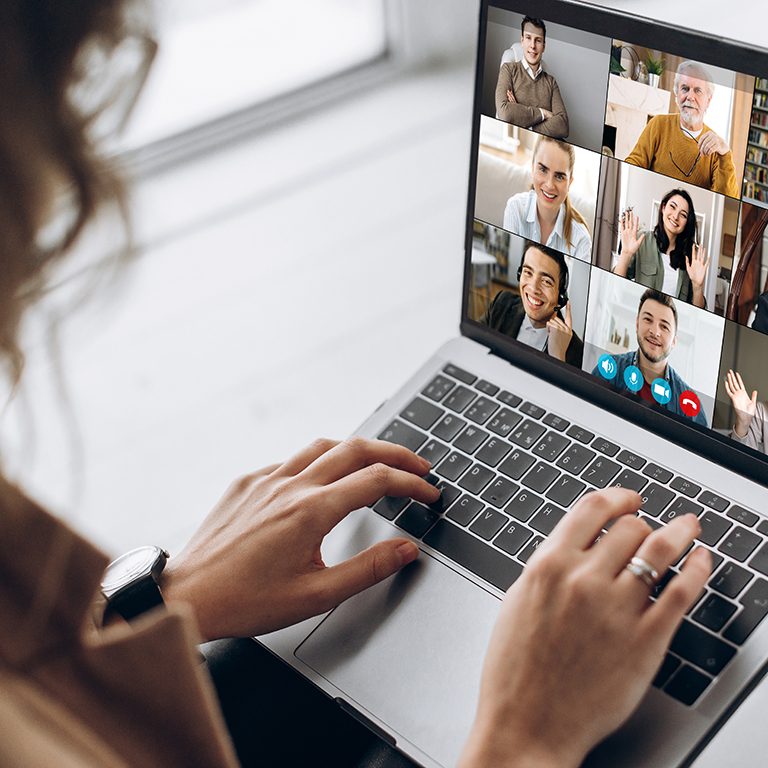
point(533, 316)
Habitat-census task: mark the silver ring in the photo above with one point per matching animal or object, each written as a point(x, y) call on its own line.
point(644, 571)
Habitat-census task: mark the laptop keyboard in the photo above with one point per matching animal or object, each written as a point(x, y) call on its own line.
point(509, 471)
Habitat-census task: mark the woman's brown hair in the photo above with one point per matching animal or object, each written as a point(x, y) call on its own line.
point(46, 145)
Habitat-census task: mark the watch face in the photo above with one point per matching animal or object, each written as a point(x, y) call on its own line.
point(128, 567)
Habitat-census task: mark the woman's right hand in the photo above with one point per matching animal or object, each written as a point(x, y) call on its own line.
point(745, 405)
point(577, 641)
point(630, 242)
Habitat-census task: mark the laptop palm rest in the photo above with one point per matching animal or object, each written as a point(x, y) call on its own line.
point(411, 651)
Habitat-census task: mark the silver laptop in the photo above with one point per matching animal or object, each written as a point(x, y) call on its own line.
point(586, 359)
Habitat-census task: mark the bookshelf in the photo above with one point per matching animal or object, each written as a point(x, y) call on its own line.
point(756, 168)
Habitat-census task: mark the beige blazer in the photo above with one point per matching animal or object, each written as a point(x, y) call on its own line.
point(72, 694)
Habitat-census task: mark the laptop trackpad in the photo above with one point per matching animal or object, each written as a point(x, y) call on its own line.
point(411, 651)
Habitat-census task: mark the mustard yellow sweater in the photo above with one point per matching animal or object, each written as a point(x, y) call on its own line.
point(662, 136)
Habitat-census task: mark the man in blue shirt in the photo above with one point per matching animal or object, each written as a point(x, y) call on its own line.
point(656, 328)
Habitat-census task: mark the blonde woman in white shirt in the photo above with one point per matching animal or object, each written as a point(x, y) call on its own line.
point(544, 214)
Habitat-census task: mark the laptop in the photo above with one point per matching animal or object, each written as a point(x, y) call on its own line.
point(549, 391)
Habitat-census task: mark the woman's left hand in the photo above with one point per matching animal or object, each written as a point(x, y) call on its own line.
point(255, 565)
point(697, 266)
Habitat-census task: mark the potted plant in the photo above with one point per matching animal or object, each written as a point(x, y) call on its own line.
point(655, 68)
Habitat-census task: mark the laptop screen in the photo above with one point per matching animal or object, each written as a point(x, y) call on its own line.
point(619, 199)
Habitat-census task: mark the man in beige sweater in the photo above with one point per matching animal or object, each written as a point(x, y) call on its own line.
point(528, 96)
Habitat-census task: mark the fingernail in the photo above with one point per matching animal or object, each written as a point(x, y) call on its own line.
point(408, 552)
point(427, 465)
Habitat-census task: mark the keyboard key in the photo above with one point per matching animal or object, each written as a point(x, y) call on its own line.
point(438, 388)
point(668, 666)
point(448, 494)
point(465, 510)
point(698, 647)
point(760, 561)
point(509, 399)
point(580, 434)
point(655, 499)
point(476, 479)
point(512, 538)
point(551, 446)
point(400, 433)
point(666, 577)
point(493, 451)
point(605, 446)
point(448, 427)
point(524, 505)
point(755, 603)
point(716, 559)
point(655, 472)
point(714, 613)
point(453, 467)
point(516, 464)
point(488, 523)
point(600, 472)
point(459, 399)
point(499, 492)
point(743, 516)
point(631, 480)
point(763, 527)
point(434, 452)
point(470, 439)
point(632, 460)
point(686, 487)
point(655, 524)
point(487, 388)
point(530, 548)
point(417, 519)
point(390, 506)
point(716, 502)
point(566, 490)
point(459, 373)
point(556, 422)
point(730, 580)
point(545, 520)
point(504, 422)
point(527, 434)
point(481, 410)
point(575, 459)
point(541, 477)
point(713, 528)
point(687, 685)
point(679, 507)
point(740, 544)
point(529, 409)
point(479, 558)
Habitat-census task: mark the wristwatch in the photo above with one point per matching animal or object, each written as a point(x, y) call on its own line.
point(130, 583)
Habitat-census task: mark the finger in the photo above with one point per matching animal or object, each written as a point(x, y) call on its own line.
point(662, 548)
point(754, 398)
point(740, 380)
point(339, 582)
point(663, 618)
point(306, 456)
point(568, 318)
point(355, 453)
point(366, 486)
point(584, 523)
point(623, 539)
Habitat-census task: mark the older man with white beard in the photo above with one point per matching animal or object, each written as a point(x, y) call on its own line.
point(682, 146)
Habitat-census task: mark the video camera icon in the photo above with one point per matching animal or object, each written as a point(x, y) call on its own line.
point(607, 366)
point(661, 391)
